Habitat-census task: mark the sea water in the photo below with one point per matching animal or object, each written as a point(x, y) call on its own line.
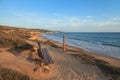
point(101, 43)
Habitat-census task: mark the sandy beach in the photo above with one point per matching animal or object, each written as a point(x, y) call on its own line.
point(111, 60)
point(59, 39)
point(66, 66)
point(71, 68)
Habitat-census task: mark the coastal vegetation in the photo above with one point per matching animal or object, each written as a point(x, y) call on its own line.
point(8, 74)
point(109, 70)
point(13, 38)
point(10, 37)
point(16, 40)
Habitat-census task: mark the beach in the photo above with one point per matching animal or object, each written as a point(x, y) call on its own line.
point(72, 68)
point(112, 60)
point(101, 43)
point(60, 40)
point(74, 64)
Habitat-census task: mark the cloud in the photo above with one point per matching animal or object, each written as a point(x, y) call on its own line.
point(61, 22)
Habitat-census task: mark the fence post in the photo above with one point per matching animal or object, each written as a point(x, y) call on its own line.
point(64, 43)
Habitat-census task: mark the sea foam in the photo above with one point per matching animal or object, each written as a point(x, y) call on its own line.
point(92, 46)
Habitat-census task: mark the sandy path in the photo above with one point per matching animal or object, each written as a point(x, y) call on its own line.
point(111, 60)
point(66, 67)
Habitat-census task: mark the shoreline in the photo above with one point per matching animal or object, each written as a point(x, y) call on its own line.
point(112, 60)
point(74, 64)
point(92, 45)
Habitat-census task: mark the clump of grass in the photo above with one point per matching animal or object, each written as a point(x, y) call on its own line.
point(52, 44)
point(106, 68)
point(85, 58)
point(23, 45)
point(5, 28)
point(6, 42)
point(10, 38)
point(15, 43)
point(7, 74)
point(26, 46)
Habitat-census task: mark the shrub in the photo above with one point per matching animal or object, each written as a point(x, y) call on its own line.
point(7, 74)
point(106, 68)
point(85, 58)
point(22, 45)
point(6, 42)
point(25, 46)
point(52, 44)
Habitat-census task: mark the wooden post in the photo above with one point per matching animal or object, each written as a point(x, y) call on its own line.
point(64, 43)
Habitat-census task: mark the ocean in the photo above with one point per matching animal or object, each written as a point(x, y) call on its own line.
point(101, 43)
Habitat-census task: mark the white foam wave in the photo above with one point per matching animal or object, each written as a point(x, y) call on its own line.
point(90, 46)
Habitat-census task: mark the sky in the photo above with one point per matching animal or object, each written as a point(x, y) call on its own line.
point(62, 15)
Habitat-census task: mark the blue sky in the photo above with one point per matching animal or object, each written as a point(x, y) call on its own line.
point(62, 15)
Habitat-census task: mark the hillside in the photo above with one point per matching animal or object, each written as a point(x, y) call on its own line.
point(13, 41)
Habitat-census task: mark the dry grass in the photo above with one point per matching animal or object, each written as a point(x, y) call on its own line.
point(7, 74)
point(52, 44)
point(23, 45)
point(106, 68)
point(14, 37)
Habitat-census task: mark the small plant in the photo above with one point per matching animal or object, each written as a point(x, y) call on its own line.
point(22, 45)
point(25, 46)
point(7, 74)
point(6, 42)
point(106, 68)
point(85, 58)
point(52, 44)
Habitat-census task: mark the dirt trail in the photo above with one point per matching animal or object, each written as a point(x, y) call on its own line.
point(65, 67)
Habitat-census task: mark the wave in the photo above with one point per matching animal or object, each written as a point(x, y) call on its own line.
point(97, 42)
point(94, 42)
point(111, 45)
point(92, 46)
